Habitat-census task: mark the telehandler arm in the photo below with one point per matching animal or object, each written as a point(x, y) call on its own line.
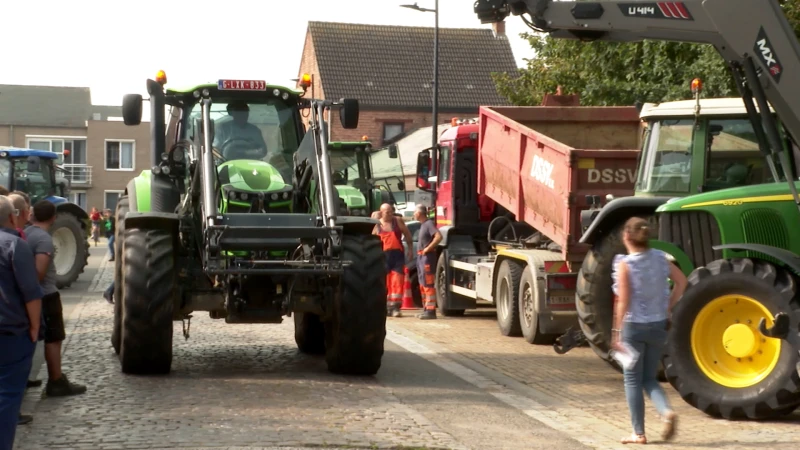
point(753, 36)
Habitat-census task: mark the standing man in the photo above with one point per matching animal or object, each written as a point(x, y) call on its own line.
point(391, 231)
point(22, 213)
point(20, 320)
point(111, 226)
point(41, 243)
point(427, 241)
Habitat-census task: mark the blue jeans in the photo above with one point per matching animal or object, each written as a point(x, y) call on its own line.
point(111, 245)
point(16, 358)
point(109, 292)
point(649, 340)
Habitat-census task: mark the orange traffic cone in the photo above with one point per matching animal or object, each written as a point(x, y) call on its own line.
point(408, 298)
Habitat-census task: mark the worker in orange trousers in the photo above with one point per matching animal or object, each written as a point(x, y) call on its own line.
point(427, 241)
point(391, 231)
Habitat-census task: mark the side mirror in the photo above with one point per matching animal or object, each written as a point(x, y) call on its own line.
point(393, 151)
point(132, 109)
point(423, 169)
point(348, 113)
point(401, 186)
point(34, 165)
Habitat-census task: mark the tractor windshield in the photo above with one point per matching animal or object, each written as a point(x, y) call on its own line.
point(260, 129)
point(348, 167)
point(5, 172)
point(37, 185)
point(723, 151)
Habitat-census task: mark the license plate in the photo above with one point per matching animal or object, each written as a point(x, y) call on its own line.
point(561, 300)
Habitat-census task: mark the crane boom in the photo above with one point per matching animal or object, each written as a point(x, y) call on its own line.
point(738, 29)
point(754, 38)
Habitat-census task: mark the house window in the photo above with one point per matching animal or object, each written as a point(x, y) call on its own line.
point(79, 198)
point(111, 199)
point(76, 147)
point(392, 130)
point(119, 155)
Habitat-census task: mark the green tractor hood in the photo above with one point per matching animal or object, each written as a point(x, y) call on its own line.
point(352, 196)
point(251, 176)
point(772, 192)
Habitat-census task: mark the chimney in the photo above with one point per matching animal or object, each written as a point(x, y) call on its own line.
point(499, 28)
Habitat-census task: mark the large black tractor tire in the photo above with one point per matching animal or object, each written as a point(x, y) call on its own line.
point(356, 330)
point(69, 239)
point(309, 333)
point(123, 206)
point(442, 290)
point(149, 278)
point(594, 297)
point(528, 317)
point(507, 295)
point(717, 295)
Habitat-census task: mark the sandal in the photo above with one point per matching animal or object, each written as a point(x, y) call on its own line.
point(670, 425)
point(635, 439)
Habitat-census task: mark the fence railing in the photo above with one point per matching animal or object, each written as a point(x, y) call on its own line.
point(78, 173)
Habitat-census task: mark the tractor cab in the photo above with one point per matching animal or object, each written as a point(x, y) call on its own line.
point(32, 172)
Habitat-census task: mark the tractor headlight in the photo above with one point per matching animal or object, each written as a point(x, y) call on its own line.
point(165, 170)
point(286, 195)
point(274, 196)
point(243, 196)
point(164, 156)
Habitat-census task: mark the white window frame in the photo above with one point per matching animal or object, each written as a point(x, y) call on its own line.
point(74, 194)
point(51, 138)
point(121, 141)
point(119, 193)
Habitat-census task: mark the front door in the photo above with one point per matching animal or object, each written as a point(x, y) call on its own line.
point(444, 194)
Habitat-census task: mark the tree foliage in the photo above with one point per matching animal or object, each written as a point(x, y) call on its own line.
point(610, 73)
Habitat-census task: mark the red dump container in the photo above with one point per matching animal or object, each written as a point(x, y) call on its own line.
point(541, 162)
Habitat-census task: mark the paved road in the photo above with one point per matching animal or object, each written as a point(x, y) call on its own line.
point(450, 384)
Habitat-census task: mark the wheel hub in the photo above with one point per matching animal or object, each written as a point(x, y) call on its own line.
point(740, 341)
point(726, 345)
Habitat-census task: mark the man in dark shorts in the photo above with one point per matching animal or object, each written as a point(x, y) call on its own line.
point(427, 241)
point(41, 243)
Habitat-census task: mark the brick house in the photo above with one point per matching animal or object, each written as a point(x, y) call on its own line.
point(104, 154)
point(389, 69)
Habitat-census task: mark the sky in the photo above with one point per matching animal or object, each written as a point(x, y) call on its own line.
point(114, 46)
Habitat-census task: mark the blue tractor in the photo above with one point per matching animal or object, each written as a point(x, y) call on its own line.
point(34, 172)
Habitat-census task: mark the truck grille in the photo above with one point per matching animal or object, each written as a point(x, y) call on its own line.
point(694, 232)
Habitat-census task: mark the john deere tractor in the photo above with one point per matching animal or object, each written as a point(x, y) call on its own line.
point(35, 173)
point(251, 215)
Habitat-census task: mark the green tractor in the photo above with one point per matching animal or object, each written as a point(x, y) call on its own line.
point(36, 173)
point(252, 216)
point(688, 146)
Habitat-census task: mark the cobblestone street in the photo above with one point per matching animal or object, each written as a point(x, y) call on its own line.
point(453, 383)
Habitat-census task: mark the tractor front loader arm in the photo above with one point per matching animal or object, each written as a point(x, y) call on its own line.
point(746, 33)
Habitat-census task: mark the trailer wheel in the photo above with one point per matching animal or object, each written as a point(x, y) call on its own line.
point(594, 295)
point(442, 291)
point(355, 334)
point(717, 358)
point(528, 316)
point(309, 333)
point(119, 235)
point(506, 292)
point(148, 275)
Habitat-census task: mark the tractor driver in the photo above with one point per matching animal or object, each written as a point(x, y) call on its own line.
point(235, 137)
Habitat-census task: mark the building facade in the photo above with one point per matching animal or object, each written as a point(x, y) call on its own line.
point(97, 151)
point(389, 69)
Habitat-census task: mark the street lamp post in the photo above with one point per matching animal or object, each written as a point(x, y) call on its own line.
point(435, 109)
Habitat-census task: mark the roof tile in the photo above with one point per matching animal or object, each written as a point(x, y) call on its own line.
point(392, 66)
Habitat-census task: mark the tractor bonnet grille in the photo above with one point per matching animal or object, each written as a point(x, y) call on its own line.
point(694, 232)
point(764, 226)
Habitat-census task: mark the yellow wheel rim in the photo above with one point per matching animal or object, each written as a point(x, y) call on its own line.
point(727, 345)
